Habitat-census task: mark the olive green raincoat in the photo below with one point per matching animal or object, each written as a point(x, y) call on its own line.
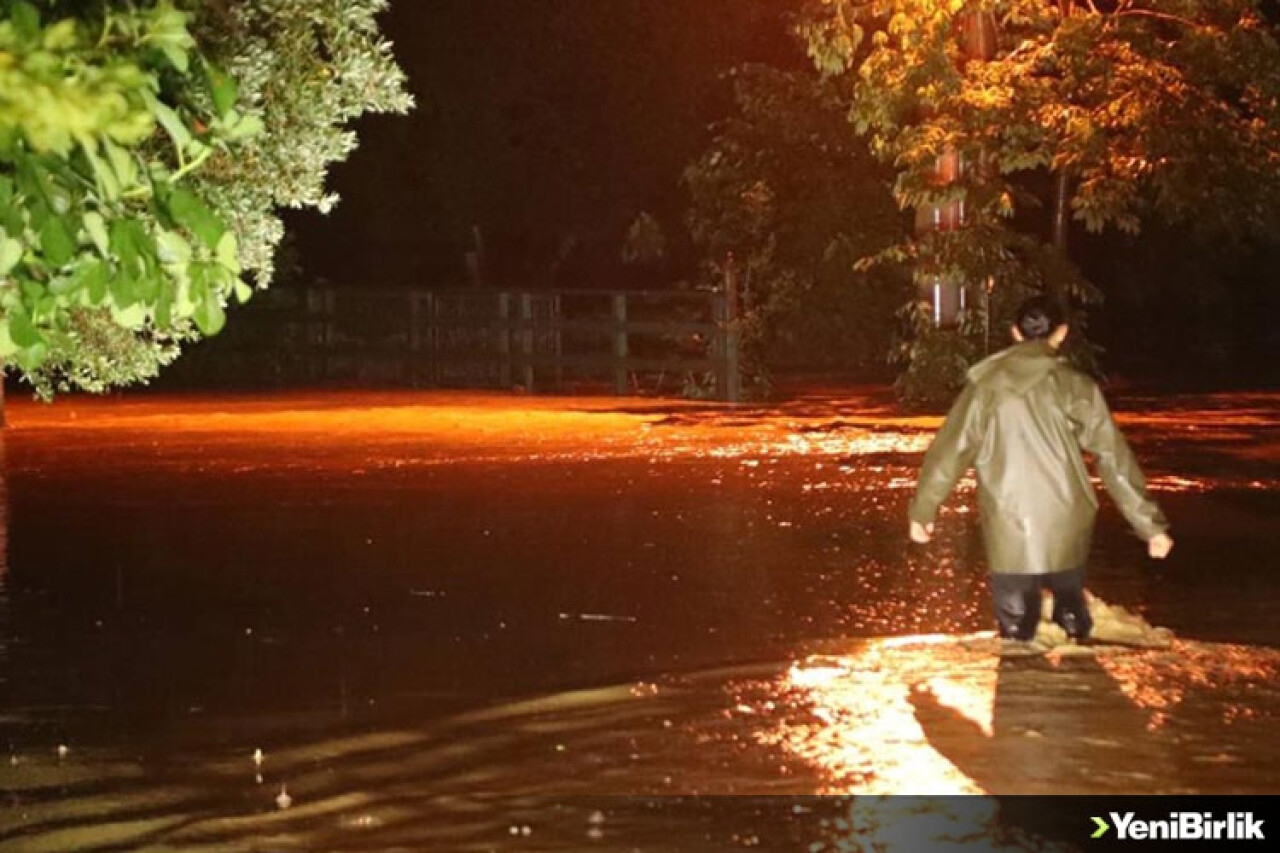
point(1022, 420)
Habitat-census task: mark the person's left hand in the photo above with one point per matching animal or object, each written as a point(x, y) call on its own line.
point(1159, 546)
point(921, 533)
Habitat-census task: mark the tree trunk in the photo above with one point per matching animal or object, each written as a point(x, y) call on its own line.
point(1061, 211)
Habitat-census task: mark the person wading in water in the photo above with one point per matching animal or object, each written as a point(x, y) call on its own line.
point(1022, 420)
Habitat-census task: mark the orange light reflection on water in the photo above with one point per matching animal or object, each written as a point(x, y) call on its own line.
point(1160, 681)
point(855, 720)
point(367, 430)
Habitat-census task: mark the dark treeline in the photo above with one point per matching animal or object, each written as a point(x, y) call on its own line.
point(553, 125)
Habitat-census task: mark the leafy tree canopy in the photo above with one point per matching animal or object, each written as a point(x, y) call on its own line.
point(144, 150)
point(1164, 108)
point(787, 192)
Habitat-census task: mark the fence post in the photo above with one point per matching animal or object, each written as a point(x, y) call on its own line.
point(434, 336)
point(526, 339)
point(330, 312)
point(556, 316)
point(318, 311)
point(731, 375)
point(307, 312)
point(620, 349)
point(431, 340)
point(415, 338)
point(504, 340)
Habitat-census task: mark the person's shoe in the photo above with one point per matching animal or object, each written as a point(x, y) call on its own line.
point(1080, 646)
point(1011, 648)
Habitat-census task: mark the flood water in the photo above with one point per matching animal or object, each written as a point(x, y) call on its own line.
point(473, 622)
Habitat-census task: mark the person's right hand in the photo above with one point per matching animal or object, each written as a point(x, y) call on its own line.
point(921, 534)
point(1159, 546)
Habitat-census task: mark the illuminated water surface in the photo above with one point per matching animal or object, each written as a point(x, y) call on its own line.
point(436, 613)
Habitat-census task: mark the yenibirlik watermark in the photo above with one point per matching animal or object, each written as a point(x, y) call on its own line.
point(1182, 826)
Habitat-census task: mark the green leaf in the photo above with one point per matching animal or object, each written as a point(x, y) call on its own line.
point(56, 241)
point(192, 213)
point(32, 291)
point(148, 286)
point(45, 309)
point(228, 252)
point(122, 162)
point(90, 276)
point(26, 20)
point(199, 287)
point(197, 148)
point(172, 124)
point(10, 253)
point(108, 183)
point(30, 358)
point(168, 33)
point(95, 282)
point(12, 213)
point(210, 316)
point(164, 311)
point(246, 127)
point(61, 35)
point(177, 57)
point(172, 249)
point(23, 332)
point(129, 243)
point(223, 88)
point(123, 290)
point(131, 317)
point(97, 228)
point(7, 347)
point(243, 291)
point(63, 285)
point(11, 219)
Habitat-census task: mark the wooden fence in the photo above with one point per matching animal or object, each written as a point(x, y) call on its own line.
point(627, 341)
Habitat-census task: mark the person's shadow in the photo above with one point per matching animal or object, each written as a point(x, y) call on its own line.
point(1058, 727)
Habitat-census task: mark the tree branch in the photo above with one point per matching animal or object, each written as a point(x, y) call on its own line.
point(1151, 13)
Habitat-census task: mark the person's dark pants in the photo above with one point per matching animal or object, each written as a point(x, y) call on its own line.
point(1017, 603)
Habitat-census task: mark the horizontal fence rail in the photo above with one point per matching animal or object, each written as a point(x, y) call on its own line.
point(631, 340)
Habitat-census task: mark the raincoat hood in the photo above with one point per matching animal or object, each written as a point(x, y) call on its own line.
point(1017, 369)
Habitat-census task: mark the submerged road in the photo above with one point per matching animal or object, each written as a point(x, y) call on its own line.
point(417, 604)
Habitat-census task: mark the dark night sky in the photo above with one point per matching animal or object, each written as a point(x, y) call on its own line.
point(550, 123)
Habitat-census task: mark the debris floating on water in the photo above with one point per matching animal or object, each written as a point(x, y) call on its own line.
point(283, 800)
point(1112, 625)
point(364, 821)
point(596, 617)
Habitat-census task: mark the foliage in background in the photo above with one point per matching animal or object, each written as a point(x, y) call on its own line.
point(306, 69)
point(645, 243)
point(1166, 108)
point(144, 149)
point(104, 246)
point(794, 199)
